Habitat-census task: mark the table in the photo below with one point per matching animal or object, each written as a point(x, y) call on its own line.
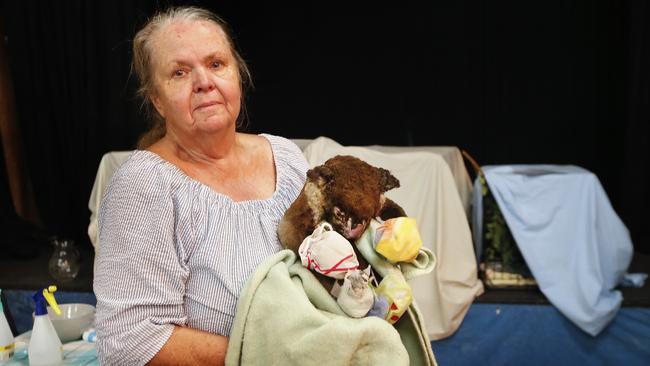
point(76, 353)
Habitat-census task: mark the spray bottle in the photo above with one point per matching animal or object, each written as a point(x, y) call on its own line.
point(44, 346)
point(6, 337)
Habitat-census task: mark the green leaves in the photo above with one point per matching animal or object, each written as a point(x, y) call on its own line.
point(500, 246)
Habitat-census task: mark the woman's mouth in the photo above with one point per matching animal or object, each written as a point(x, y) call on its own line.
point(206, 105)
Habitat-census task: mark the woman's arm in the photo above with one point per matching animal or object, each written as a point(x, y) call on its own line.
point(141, 270)
point(188, 346)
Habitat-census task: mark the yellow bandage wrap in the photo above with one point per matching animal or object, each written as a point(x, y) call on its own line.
point(7, 348)
point(398, 293)
point(400, 240)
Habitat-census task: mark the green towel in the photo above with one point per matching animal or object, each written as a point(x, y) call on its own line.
point(286, 317)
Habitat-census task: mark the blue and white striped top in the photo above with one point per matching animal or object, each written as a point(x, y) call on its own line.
point(174, 251)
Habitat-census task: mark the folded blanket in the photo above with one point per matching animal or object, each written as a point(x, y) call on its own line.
point(286, 317)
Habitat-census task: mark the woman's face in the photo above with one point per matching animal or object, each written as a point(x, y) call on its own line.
point(196, 78)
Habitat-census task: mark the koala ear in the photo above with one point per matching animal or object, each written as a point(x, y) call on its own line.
point(347, 274)
point(320, 174)
point(386, 180)
point(367, 271)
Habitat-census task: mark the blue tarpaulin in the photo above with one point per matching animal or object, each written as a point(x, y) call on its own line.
point(500, 334)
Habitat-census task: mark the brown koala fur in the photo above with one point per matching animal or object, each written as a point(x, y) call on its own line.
point(344, 191)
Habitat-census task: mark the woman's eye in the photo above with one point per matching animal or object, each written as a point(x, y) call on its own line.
point(215, 64)
point(179, 72)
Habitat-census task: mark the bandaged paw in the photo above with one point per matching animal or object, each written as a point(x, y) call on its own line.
point(398, 293)
point(328, 252)
point(379, 307)
point(356, 297)
point(398, 240)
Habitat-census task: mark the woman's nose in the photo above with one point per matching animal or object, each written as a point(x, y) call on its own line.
point(202, 81)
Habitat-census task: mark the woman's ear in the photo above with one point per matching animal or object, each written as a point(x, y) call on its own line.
point(156, 103)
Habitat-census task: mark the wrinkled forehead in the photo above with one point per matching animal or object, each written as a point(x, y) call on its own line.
point(184, 39)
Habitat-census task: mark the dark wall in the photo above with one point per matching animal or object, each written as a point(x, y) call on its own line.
point(509, 81)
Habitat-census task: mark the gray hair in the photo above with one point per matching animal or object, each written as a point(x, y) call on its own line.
point(142, 65)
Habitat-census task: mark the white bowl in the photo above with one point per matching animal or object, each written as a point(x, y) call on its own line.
point(73, 321)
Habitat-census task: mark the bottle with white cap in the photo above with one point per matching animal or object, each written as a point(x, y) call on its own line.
point(45, 347)
point(6, 337)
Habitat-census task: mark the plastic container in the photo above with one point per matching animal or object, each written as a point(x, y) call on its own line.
point(90, 335)
point(6, 337)
point(75, 318)
point(45, 347)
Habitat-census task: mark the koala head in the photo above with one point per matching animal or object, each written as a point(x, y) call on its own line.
point(344, 191)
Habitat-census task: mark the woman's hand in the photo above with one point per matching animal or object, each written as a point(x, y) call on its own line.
point(188, 346)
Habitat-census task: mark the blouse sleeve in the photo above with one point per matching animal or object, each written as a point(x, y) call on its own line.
point(141, 273)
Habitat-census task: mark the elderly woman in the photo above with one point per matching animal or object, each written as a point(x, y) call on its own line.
point(192, 212)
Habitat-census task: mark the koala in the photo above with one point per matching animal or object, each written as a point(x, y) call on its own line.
point(344, 191)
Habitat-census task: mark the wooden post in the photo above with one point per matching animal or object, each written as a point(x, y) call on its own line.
point(19, 182)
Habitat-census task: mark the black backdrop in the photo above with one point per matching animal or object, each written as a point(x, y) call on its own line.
point(560, 82)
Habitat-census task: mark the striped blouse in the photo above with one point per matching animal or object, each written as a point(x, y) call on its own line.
point(174, 251)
